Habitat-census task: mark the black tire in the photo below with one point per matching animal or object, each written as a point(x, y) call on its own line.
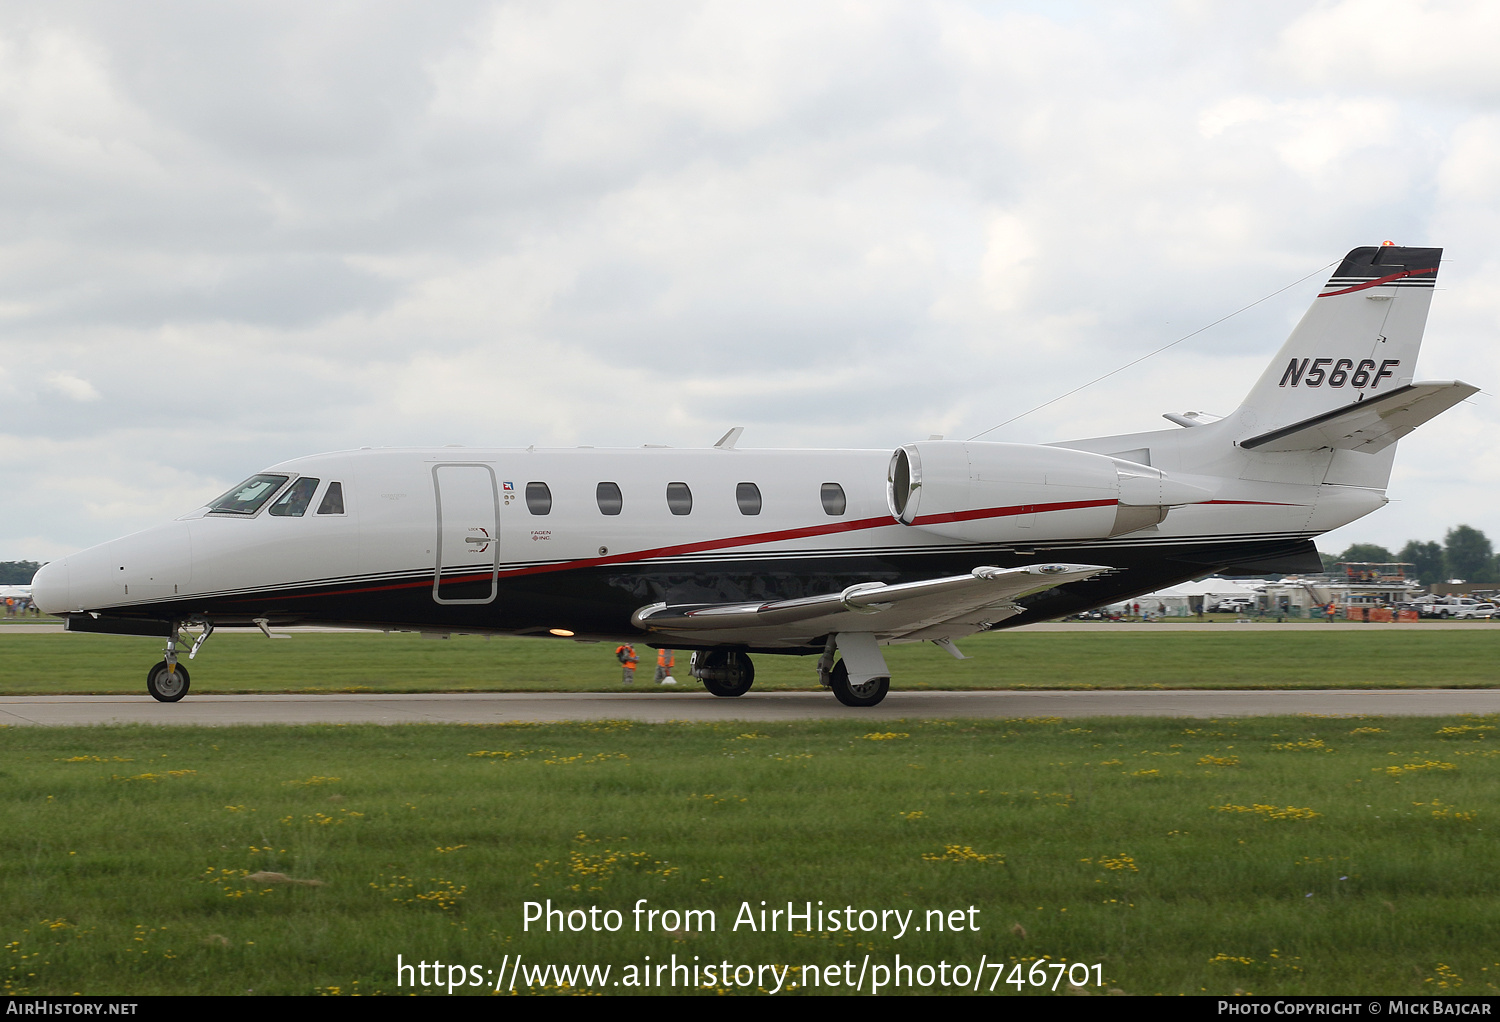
point(740, 673)
point(868, 694)
point(167, 687)
point(1443, 614)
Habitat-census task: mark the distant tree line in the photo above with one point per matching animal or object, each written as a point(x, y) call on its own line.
point(1464, 553)
point(17, 573)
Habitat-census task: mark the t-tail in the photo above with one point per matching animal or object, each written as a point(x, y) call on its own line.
point(1344, 379)
point(1335, 399)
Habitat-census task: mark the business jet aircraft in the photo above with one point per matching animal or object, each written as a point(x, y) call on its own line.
point(832, 554)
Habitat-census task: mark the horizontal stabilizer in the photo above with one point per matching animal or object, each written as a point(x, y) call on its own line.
point(889, 611)
point(1371, 425)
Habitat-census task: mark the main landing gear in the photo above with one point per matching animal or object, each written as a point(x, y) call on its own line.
point(868, 681)
point(724, 673)
point(858, 677)
point(865, 693)
point(168, 681)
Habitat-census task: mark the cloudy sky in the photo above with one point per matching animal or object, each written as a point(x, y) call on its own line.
point(236, 233)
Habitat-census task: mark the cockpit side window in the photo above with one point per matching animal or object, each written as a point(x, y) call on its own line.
point(333, 500)
point(249, 496)
point(293, 503)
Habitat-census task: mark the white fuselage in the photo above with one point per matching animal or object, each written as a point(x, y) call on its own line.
point(447, 538)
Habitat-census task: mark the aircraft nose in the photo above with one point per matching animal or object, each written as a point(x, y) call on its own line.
point(49, 588)
point(147, 567)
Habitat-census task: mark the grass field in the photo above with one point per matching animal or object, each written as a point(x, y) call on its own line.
point(1261, 656)
point(1271, 855)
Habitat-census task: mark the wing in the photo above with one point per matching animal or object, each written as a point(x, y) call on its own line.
point(1371, 425)
point(908, 611)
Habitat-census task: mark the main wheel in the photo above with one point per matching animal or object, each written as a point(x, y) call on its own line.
point(724, 673)
point(868, 693)
point(167, 686)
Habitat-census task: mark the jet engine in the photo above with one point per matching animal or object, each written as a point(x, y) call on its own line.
point(1027, 493)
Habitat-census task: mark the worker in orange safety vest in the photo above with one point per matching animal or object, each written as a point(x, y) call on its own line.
point(665, 658)
point(625, 653)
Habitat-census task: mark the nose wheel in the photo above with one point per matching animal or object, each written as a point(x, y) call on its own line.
point(167, 683)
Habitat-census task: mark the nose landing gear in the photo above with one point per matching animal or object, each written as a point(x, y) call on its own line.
point(168, 681)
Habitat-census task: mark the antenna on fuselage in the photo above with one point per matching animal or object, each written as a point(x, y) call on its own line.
point(728, 440)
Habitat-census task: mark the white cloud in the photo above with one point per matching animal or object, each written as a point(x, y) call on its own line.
point(71, 386)
point(271, 231)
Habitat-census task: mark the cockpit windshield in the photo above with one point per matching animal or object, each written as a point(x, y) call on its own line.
point(249, 496)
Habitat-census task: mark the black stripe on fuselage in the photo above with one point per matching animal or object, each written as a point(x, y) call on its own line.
point(597, 601)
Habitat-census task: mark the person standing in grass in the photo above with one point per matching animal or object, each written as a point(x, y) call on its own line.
point(665, 659)
point(625, 653)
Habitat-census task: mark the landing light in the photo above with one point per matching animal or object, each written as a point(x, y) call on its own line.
point(560, 631)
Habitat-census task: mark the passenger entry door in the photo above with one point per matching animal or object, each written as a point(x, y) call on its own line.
point(467, 555)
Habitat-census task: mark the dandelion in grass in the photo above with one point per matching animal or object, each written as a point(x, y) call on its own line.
point(1411, 768)
point(963, 853)
point(598, 757)
point(1304, 745)
point(1222, 959)
point(719, 800)
point(1271, 812)
point(1219, 761)
point(886, 736)
point(155, 777)
point(1368, 731)
point(311, 782)
point(405, 891)
point(1446, 978)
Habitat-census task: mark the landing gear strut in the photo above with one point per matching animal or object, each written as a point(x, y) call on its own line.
point(168, 681)
point(859, 655)
point(724, 673)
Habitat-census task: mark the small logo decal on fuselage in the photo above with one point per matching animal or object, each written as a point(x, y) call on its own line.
point(1338, 372)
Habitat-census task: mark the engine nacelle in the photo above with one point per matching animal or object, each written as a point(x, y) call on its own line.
point(1027, 493)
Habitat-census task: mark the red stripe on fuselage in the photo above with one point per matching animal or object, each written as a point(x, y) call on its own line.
point(737, 541)
point(1007, 512)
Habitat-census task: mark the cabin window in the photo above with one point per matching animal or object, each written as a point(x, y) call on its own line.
point(834, 502)
point(293, 503)
point(249, 496)
point(679, 499)
point(747, 496)
point(609, 498)
point(538, 498)
point(333, 500)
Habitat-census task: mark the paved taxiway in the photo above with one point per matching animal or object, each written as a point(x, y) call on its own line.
point(497, 708)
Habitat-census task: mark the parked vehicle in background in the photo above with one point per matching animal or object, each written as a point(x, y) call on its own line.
point(1461, 607)
point(1233, 605)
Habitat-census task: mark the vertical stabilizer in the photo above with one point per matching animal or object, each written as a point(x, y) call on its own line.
point(1359, 340)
